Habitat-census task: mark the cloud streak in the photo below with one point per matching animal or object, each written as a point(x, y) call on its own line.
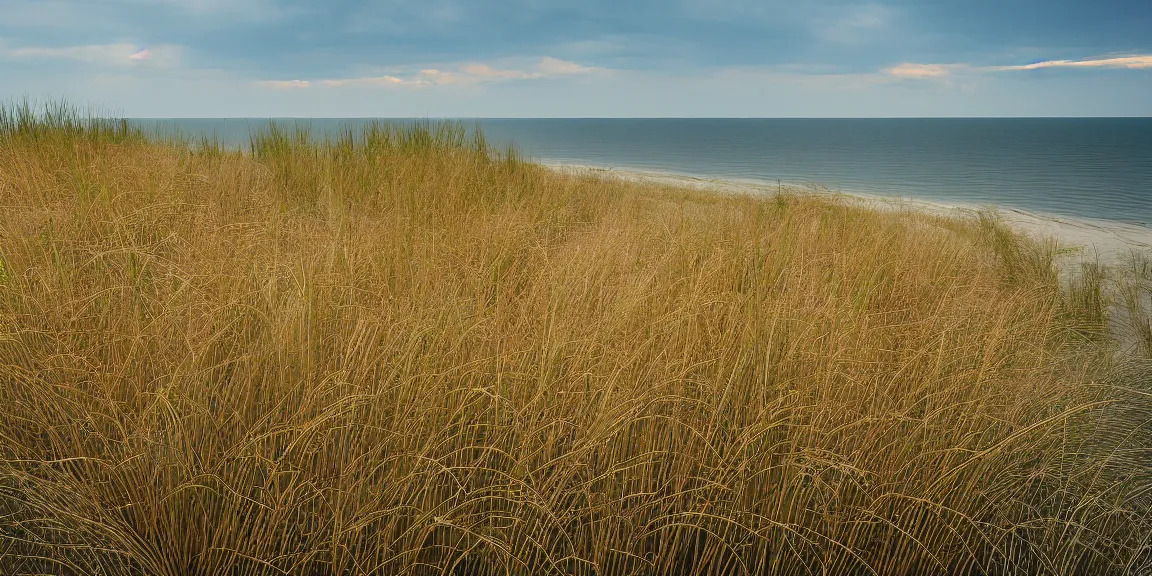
point(919, 71)
point(466, 74)
point(284, 84)
point(161, 56)
point(914, 71)
point(1133, 62)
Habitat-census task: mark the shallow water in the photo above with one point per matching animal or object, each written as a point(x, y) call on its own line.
point(1080, 167)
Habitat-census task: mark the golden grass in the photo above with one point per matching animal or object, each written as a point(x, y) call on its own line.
point(403, 353)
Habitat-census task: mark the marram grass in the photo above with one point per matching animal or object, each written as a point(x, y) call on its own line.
point(405, 353)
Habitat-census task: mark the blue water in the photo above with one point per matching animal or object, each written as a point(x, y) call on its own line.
point(1081, 167)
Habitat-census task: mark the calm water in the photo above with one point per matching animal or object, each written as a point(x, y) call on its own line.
point(1094, 168)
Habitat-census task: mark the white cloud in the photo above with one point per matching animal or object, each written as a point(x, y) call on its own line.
point(366, 81)
point(284, 84)
point(919, 71)
point(467, 73)
point(161, 56)
point(553, 66)
point(422, 78)
point(757, 92)
point(1134, 62)
point(913, 71)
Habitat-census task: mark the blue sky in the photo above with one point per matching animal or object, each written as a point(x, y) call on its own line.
point(603, 58)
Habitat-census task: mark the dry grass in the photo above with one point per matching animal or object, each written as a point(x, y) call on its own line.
point(1135, 289)
point(404, 354)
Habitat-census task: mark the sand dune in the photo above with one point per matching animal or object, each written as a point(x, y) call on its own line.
point(1108, 239)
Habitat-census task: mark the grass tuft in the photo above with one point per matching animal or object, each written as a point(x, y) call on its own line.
point(62, 122)
point(1135, 289)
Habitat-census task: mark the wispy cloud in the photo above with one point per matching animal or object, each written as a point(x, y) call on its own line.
point(1134, 62)
point(161, 56)
point(284, 84)
point(468, 73)
point(913, 71)
point(919, 71)
point(364, 81)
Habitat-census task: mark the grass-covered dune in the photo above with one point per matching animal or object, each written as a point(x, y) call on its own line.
point(406, 353)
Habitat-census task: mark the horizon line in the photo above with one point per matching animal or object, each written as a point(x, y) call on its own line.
point(634, 117)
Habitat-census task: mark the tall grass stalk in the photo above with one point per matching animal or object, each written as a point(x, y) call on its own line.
point(1136, 296)
point(403, 352)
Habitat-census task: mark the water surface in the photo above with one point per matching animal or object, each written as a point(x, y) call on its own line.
point(1082, 167)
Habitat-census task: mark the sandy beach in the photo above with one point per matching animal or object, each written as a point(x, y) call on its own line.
point(1109, 240)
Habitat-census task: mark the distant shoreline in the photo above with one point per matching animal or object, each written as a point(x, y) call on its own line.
point(1110, 239)
point(1096, 168)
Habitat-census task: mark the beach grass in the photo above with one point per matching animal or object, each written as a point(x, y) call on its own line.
point(404, 352)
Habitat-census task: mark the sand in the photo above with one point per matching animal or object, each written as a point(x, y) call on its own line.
point(1107, 240)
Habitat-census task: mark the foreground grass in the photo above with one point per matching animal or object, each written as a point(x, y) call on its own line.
point(404, 354)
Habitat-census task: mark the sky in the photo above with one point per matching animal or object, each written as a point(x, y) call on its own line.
point(585, 58)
